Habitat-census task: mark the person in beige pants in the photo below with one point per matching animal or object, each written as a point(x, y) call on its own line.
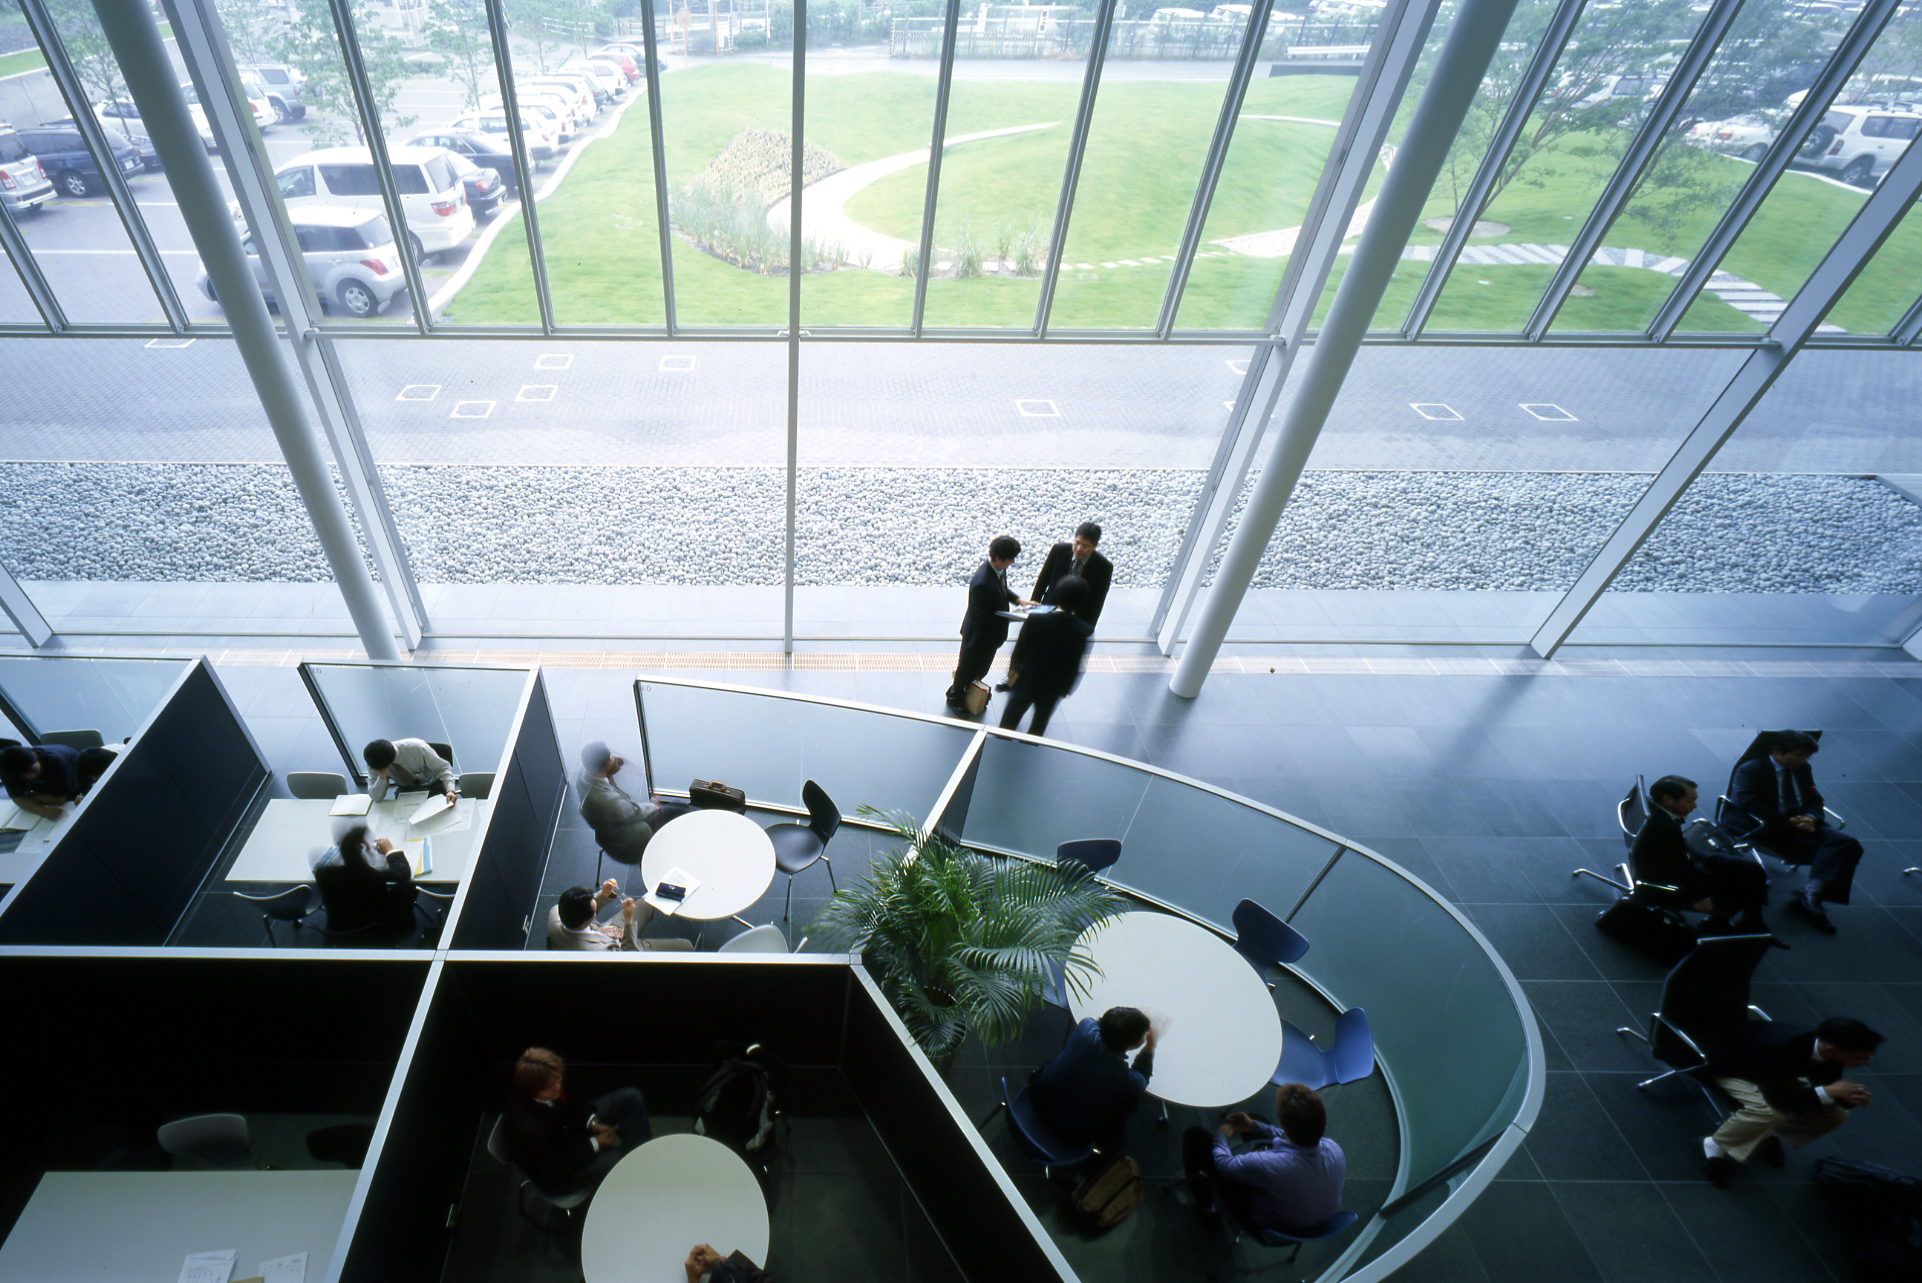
point(1788, 1081)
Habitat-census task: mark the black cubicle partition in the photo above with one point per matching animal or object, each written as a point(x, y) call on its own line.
point(141, 843)
point(529, 789)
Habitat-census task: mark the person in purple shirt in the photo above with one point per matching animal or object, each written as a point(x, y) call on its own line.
point(1287, 1178)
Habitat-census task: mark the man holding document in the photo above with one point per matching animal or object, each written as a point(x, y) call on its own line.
point(406, 764)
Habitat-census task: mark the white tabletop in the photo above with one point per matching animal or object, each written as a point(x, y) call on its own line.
point(730, 854)
point(1219, 1035)
point(665, 1198)
point(137, 1227)
point(290, 828)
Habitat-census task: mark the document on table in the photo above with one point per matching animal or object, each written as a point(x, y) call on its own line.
point(679, 877)
point(415, 851)
point(351, 804)
point(207, 1267)
point(430, 808)
point(286, 1269)
point(12, 818)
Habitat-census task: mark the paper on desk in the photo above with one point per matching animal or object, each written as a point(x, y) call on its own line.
point(207, 1267)
point(12, 817)
point(351, 804)
point(681, 878)
point(431, 807)
point(286, 1269)
point(413, 850)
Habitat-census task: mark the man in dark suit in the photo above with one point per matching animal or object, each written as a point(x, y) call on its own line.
point(982, 629)
point(1789, 1082)
point(562, 1145)
point(1730, 889)
point(1087, 1091)
point(1079, 559)
point(1046, 663)
point(1778, 792)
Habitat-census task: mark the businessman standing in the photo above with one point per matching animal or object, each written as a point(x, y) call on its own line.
point(982, 627)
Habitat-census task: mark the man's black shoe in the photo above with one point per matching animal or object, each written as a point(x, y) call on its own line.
point(1811, 908)
point(1716, 1169)
point(1770, 1151)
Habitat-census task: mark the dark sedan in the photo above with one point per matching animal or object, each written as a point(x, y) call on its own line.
point(488, 151)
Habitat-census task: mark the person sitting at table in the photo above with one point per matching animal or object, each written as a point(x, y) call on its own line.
point(405, 764)
point(622, 824)
point(1087, 1091)
point(363, 882)
point(565, 1146)
point(572, 924)
point(704, 1263)
point(1289, 1178)
point(41, 778)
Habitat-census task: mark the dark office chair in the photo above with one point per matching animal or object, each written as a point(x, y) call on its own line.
point(1667, 901)
point(1631, 813)
point(1042, 1144)
point(316, 786)
point(798, 846)
point(283, 906)
point(218, 1140)
point(1350, 1060)
point(343, 1143)
point(446, 752)
point(1707, 990)
point(1742, 826)
point(1264, 939)
point(1092, 854)
point(73, 739)
point(565, 1202)
point(1273, 1237)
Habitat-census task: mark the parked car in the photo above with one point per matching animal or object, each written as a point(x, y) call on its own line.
point(535, 136)
point(637, 51)
point(629, 66)
point(282, 85)
point(23, 184)
point(119, 132)
point(609, 81)
point(350, 255)
point(1858, 144)
point(1745, 136)
point(263, 114)
point(483, 185)
point(582, 97)
point(63, 154)
point(549, 112)
point(431, 193)
point(476, 147)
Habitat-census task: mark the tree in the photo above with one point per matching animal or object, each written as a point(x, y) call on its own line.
point(254, 32)
point(87, 49)
point(550, 26)
point(312, 45)
point(458, 30)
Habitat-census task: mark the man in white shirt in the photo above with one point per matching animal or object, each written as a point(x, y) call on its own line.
point(405, 764)
point(574, 923)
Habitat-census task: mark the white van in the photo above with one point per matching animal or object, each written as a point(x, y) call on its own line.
point(431, 193)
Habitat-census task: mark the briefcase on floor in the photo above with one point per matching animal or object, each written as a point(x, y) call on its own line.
point(1662, 936)
point(712, 795)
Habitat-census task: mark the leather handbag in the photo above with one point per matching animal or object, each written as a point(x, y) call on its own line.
point(976, 699)
point(712, 795)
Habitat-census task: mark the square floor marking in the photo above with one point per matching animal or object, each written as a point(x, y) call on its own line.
point(472, 409)
point(1548, 411)
point(676, 364)
point(537, 392)
point(419, 392)
point(171, 343)
point(554, 361)
point(1038, 409)
point(1433, 410)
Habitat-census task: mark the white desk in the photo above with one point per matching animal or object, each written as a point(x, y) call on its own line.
point(663, 1199)
point(20, 863)
point(136, 1227)
point(290, 828)
point(730, 854)
point(1220, 1036)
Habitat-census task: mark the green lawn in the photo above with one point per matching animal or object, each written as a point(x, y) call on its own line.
point(1137, 184)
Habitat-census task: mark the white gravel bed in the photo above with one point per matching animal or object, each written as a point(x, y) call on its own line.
point(1377, 530)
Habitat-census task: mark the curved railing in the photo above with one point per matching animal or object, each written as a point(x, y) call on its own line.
point(1455, 1040)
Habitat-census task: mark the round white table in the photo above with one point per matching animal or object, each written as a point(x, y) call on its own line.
point(664, 1198)
point(1219, 1036)
point(729, 853)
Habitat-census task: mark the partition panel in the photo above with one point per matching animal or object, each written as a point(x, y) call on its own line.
point(525, 804)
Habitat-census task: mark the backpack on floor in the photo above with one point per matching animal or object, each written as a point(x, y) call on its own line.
point(1106, 1198)
point(739, 1104)
point(1662, 936)
point(1881, 1207)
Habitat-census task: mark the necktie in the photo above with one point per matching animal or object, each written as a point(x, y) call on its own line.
point(1075, 570)
point(1790, 803)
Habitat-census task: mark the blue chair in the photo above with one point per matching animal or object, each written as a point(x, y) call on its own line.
point(1277, 1238)
point(1262, 938)
point(1093, 854)
point(1050, 1150)
point(1351, 1059)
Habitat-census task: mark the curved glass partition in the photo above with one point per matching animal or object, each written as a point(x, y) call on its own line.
point(1455, 1039)
point(45, 694)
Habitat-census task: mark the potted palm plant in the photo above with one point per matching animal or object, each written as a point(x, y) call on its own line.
point(964, 942)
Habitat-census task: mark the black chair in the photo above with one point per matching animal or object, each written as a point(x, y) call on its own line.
point(497, 1147)
point(1092, 854)
point(798, 846)
point(283, 906)
point(446, 752)
point(1273, 1237)
point(1036, 1136)
point(218, 1140)
point(1631, 813)
point(1742, 826)
point(1707, 991)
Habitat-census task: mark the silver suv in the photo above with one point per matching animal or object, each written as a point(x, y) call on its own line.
point(23, 184)
point(1858, 144)
point(350, 255)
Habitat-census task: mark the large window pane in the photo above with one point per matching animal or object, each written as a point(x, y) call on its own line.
point(16, 305)
point(1610, 73)
point(1885, 291)
point(1734, 112)
point(469, 709)
point(112, 696)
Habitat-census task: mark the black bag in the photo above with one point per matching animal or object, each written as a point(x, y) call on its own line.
point(712, 795)
point(1106, 1198)
point(739, 1103)
point(1868, 1190)
point(1662, 936)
